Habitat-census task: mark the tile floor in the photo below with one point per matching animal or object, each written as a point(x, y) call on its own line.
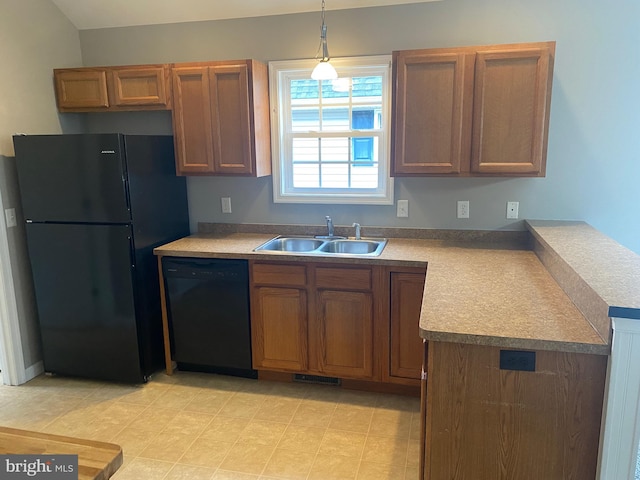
point(199, 426)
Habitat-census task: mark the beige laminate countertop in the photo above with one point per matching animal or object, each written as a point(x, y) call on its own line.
point(399, 251)
point(474, 292)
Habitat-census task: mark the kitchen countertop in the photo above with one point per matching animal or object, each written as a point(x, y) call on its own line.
point(475, 292)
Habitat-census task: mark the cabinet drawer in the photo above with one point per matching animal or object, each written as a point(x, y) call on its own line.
point(349, 278)
point(279, 274)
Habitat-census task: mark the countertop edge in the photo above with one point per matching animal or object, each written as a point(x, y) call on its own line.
point(599, 275)
point(512, 343)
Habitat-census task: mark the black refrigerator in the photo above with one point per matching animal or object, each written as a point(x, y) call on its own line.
point(95, 207)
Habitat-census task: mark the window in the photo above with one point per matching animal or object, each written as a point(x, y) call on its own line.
point(330, 138)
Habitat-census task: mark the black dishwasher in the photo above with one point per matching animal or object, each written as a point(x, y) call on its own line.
point(208, 309)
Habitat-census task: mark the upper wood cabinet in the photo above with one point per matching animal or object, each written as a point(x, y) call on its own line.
point(472, 110)
point(221, 118)
point(137, 87)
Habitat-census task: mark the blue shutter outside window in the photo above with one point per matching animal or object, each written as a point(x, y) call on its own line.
point(362, 147)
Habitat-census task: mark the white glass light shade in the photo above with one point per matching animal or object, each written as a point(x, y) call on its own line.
point(324, 71)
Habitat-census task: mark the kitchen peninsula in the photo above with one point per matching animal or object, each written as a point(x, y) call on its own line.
point(518, 338)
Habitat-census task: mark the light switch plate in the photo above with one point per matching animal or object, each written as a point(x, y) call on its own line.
point(10, 217)
point(226, 204)
point(403, 208)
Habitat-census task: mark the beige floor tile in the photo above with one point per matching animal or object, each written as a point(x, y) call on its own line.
point(289, 390)
point(224, 429)
point(247, 458)
point(192, 424)
point(189, 472)
point(324, 393)
point(334, 467)
point(399, 402)
point(314, 413)
point(412, 472)
point(278, 409)
point(414, 434)
point(226, 475)
point(258, 432)
point(154, 419)
point(206, 453)
point(391, 423)
point(117, 413)
point(133, 441)
point(176, 397)
point(385, 450)
point(142, 469)
point(343, 443)
point(289, 464)
point(301, 438)
point(188, 423)
point(243, 404)
point(208, 401)
point(167, 446)
point(413, 453)
point(145, 394)
point(352, 418)
point(380, 471)
point(358, 399)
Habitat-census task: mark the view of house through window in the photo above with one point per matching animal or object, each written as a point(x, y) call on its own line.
point(332, 135)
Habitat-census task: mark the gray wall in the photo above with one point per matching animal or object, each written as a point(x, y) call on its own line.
point(593, 165)
point(34, 38)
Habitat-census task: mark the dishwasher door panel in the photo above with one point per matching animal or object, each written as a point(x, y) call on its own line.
point(209, 314)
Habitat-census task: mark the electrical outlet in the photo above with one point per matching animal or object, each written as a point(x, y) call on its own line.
point(403, 208)
point(10, 217)
point(226, 204)
point(463, 208)
point(512, 209)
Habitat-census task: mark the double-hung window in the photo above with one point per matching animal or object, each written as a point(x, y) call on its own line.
point(330, 138)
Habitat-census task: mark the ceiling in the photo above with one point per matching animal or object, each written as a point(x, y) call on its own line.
point(88, 14)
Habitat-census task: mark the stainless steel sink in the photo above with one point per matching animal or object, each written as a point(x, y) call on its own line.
point(370, 247)
point(355, 247)
point(291, 244)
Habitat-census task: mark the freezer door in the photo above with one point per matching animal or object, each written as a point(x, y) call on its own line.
point(84, 293)
point(72, 178)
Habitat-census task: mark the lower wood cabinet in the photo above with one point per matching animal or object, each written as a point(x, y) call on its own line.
point(279, 316)
point(344, 321)
point(486, 421)
point(337, 320)
point(405, 344)
point(280, 328)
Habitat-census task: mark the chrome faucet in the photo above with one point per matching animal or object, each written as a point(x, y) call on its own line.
point(329, 226)
point(357, 227)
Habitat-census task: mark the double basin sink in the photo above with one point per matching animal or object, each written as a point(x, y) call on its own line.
point(365, 247)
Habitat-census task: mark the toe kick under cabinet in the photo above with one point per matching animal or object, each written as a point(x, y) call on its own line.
point(350, 321)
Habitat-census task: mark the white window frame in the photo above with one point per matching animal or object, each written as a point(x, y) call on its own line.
point(280, 75)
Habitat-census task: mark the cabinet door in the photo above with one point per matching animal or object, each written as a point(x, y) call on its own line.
point(144, 86)
point(345, 333)
point(192, 121)
point(230, 119)
point(279, 328)
point(511, 111)
point(81, 88)
point(406, 346)
point(432, 112)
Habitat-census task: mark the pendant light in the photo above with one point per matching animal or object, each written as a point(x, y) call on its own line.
point(324, 70)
